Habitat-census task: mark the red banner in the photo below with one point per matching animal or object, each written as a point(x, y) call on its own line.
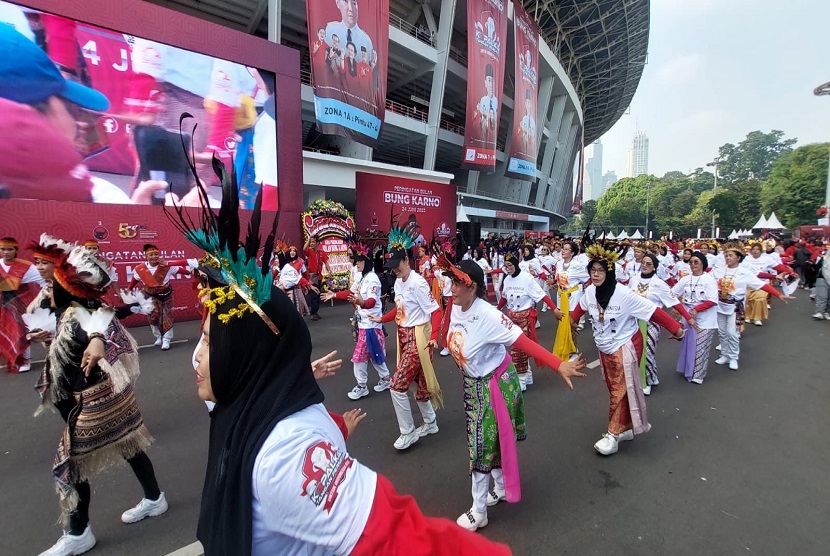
point(427, 207)
point(348, 41)
point(523, 148)
point(486, 48)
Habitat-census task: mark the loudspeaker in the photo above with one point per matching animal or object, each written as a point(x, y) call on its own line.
point(471, 232)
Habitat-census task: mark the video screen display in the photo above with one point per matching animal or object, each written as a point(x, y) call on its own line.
point(92, 115)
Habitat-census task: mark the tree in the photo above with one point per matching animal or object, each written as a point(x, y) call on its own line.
point(589, 211)
point(795, 188)
point(683, 203)
point(753, 157)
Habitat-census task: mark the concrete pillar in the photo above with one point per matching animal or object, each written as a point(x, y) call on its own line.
point(563, 157)
point(545, 95)
point(556, 144)
point(553, 126)
point(439, 81)
point(274, 20)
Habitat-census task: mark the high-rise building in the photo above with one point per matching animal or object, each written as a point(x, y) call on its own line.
point(608, 179)
point(638, 155)
point(592, 177)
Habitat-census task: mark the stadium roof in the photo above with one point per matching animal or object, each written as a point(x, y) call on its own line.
point(603, 46)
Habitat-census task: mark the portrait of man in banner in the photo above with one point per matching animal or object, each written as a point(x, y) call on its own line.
point(487, 110)
point(527, 126)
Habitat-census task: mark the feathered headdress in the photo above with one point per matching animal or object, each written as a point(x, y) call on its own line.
point(81, 273)
point(50, 248)
point(736, 247)
point(445, 265)
point(219, 236)
point(599, 249)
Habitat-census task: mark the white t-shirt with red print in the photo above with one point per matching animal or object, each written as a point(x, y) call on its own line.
point(477, 337)
point(733, 282)
point(615, 325)
point(309, 496)
point(414, 301)
point(521, 292)
point(368, 287)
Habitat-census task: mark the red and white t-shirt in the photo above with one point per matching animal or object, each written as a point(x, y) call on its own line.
point(309, 496)
point(414, 301)
point(368, 287)
point(477, 337)
point(521, 292)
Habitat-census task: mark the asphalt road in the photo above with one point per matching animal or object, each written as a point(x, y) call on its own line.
point(738, 465)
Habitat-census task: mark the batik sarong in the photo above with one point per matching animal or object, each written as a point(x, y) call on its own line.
point(652, 336)
point(482, 428)
point(415, 365)
point(297, 297)
point(526, 320)
point(162, 315)
point(627, 406)
point(693, 360)
point(371, 346)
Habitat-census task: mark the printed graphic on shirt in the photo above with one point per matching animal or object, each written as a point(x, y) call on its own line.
point(324, 469)
point(400, 316)
point(456, 345)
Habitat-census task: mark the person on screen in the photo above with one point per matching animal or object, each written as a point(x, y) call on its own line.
point(319, 47)
point(348, 29)
point(488, 106)
point(375, 71)
point(528, 124)
point(350, 63)
point(40, 111)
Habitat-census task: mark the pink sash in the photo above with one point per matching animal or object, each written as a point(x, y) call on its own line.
point(507, 436)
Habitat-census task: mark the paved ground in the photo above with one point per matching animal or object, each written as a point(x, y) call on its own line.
point(735, 466)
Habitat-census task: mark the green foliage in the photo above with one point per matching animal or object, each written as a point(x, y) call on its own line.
point(752, 158)
point(796, 185)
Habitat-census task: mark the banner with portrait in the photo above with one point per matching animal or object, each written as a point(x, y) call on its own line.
point(521, 163)
point(486, 48)
point(348, 43)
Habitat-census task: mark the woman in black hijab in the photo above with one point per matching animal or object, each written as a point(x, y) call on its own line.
point(279, 478)
point(614, 311)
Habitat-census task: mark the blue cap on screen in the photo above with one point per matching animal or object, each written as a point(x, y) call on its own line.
point(27, 75)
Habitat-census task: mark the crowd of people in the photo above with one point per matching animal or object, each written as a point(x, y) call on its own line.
point(480, 305)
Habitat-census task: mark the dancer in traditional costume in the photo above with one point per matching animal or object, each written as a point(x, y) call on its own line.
point(445, 283)
point(570, 277)
point(650, 286)
point(155, 275)
point(19, 284)
point(699, 293)
point(614, 310)
point(91, 366)
point(418, 317)
point(478, 337)
point(734, 281)
point(294, 283)
point(521, 293)
point(279, 476)
point(371, 344)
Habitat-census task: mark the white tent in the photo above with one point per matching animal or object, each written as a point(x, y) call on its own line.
point(773, 223)
point(461, 214)
point(636, 235)
point(761, 224)
point(746, 233)
point(610, 235)
point(623, 235)
point(733, 235)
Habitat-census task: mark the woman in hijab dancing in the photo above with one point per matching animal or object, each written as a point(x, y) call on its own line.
point(279, 478)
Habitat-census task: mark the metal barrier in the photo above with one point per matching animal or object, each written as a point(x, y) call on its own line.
point(423, 35)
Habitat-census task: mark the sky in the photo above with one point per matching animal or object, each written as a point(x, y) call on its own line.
point(718, 69)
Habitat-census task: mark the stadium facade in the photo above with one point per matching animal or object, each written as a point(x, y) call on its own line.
point(591, 57)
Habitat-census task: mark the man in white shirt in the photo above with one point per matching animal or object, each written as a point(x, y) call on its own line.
point(488, 106)
point(347, 29)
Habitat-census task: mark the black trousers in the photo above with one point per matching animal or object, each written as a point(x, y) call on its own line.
point(140, 464)
point(314, 297)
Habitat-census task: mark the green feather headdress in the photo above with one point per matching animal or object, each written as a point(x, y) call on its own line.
point(227, 261)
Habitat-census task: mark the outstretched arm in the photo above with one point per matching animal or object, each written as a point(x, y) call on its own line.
point(566, 369)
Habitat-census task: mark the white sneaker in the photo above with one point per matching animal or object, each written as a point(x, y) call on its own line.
point(758, 323)
point(494, 497)
point(733, 364)
point(145, 508)
point(24, 368)
point(472, 520)
point(826, 316)
point(404, 441)
point(522, 385)
point(647, 390)
point(157, 342)
point(769, 306)
point(818, 316)
point(545, 309)
point(165, 345)
point(697, 380)
point(358, 392)
point(721, 360)
point(607, 445)
point(444, 352)
point(71, 545)
point(538, 324)
point(717, 347)
point(383, 384)
point(656, 382)
point(529, 376)
point(427, 428)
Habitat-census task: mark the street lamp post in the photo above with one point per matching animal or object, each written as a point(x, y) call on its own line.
point(824, 90)
point(714, 189)
point(648, 198)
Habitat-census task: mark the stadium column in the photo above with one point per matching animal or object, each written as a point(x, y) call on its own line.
point(439, 81)
point(553, 126)
point(545, 94)
point(563, 154)
point(274, 19)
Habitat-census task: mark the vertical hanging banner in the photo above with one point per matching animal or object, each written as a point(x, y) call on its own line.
point(486, 45)
point(523, 148)
point(348, 44)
